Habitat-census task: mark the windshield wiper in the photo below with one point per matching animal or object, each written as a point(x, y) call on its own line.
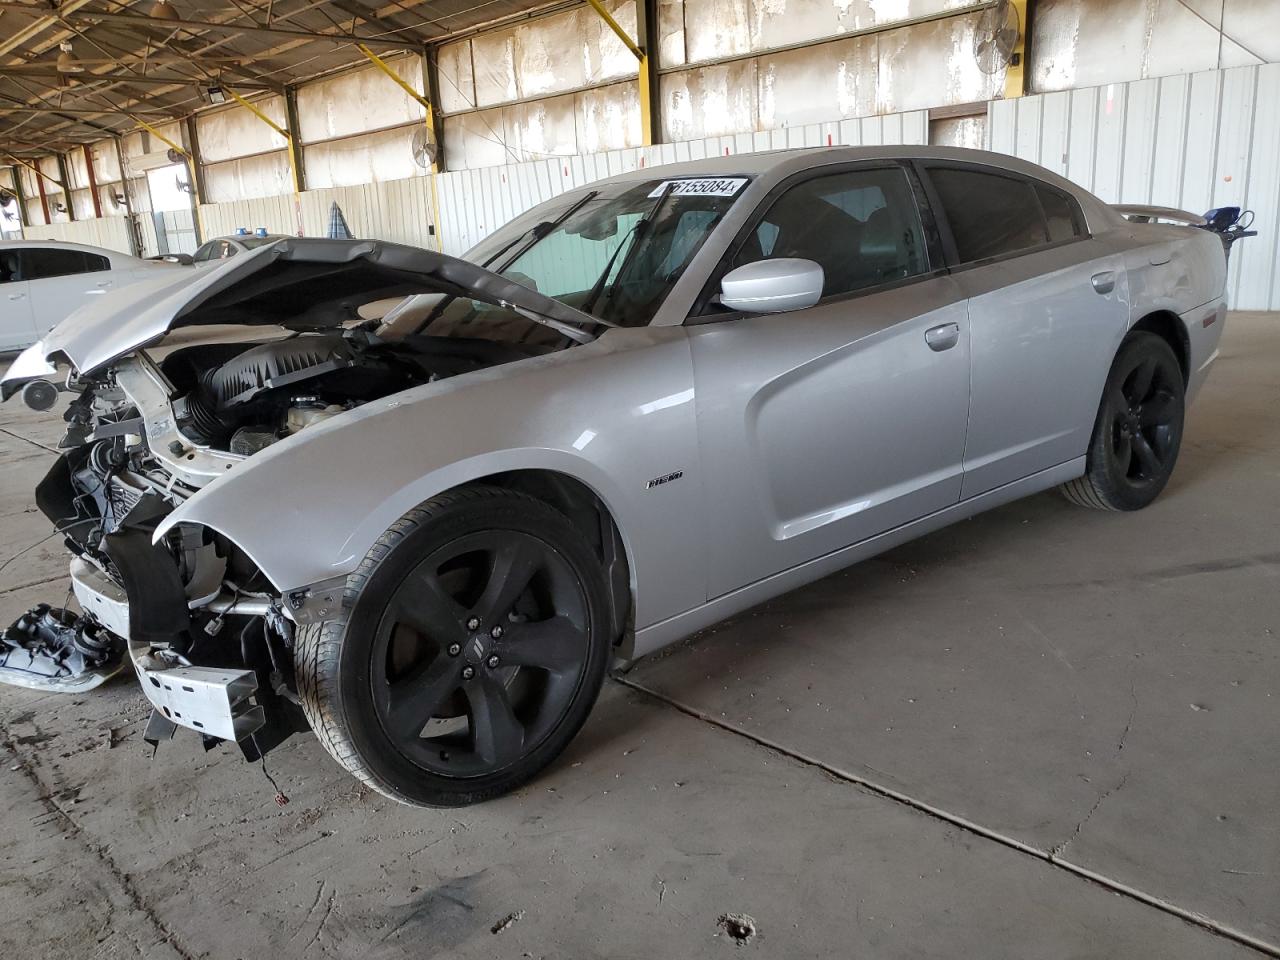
point(636, 236)
point(539, 230)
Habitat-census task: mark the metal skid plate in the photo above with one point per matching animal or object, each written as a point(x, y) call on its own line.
point(205, 699)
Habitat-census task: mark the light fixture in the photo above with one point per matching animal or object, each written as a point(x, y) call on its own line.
point(67, 62)
point(216, 95)
point(163, 10)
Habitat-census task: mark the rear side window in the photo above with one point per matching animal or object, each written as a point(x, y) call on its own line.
point(990, 215)
point(1061, 213)
point(42, 264)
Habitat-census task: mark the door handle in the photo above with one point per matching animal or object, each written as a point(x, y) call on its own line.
point(17, 296)
point(942, 337)
point(1104, 282)
point(104, 284)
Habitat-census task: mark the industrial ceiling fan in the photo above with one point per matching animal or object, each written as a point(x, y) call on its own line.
point(995, 37)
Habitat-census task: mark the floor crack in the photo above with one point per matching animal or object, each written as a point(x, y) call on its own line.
point(1051, 857)
point(34, 443)
point(1102, 797)
point(74, 830)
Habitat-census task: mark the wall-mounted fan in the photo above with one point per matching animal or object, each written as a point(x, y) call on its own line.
point(424, 148)
point(6, 197)
point(117, 200)
point(176, 156)
point(995, 37)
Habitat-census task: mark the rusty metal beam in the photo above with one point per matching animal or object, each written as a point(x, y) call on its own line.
point(86, 112)
point(84, 79)
point(143, 22)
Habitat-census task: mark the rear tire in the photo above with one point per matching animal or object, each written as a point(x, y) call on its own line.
point(1138, 430)
point(473, 643)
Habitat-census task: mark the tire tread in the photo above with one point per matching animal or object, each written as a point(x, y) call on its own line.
point(318, 646)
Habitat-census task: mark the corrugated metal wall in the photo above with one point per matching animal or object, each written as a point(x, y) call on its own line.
point(1195, 141)
point(109, 232)
point(473, 203)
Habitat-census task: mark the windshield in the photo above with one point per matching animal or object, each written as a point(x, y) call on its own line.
point(616, 256)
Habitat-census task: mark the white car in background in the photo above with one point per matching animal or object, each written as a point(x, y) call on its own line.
point(43, 281)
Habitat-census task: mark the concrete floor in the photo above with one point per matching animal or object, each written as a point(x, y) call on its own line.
point(1042, 733)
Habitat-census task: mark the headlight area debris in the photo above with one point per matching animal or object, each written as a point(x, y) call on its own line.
point(52, 649)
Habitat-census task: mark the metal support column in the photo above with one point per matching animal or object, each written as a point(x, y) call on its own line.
point(193, 160)
point(135, 233)
point(646, 23)
point(66, 189)
point(24, 218)
point(291, 145)
point(93, 182)
point(291, 122)
point(1015, 77)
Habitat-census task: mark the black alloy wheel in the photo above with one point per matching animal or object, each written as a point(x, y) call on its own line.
point(1138, 430)
point(474, 640)
point(480, 651)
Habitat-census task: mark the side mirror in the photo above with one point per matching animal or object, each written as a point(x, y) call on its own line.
point(772, 286)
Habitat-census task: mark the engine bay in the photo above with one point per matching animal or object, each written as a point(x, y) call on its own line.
point(242, 400)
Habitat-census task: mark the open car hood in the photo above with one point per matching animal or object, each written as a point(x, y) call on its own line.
point(304, 284)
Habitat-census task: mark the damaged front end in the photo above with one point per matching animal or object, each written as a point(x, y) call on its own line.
point(170, 391)
point(204, 631)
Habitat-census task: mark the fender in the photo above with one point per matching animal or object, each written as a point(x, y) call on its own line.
point(307, 509)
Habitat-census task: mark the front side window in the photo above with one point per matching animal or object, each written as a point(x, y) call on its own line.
point(861, 226)
point(42, 263)
point(990, 215)
point(615, 256)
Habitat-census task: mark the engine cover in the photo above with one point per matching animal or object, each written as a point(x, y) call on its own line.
point(271, 366)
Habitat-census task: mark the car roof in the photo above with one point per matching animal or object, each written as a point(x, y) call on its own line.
point(769, 160)
point(63, 245)
point(777, 164)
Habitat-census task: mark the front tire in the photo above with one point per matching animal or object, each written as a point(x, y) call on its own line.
point(1138, 431)
point(473, 645)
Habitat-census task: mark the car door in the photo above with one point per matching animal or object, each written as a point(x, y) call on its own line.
point(17, 329)
point(824, 426)
point(62, 280)
point(1048, 306)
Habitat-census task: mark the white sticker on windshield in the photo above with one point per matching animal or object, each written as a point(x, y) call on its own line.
point(701, 187)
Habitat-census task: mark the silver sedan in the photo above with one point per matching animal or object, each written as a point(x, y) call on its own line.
point(425, 501)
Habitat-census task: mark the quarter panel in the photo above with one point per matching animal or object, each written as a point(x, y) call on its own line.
point(613, 414)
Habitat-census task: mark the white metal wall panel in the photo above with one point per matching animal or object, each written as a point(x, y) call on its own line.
point(471, 204)
point(112, 233)
point(1195, 141)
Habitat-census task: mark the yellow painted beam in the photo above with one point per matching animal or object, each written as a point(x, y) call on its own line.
point(617, 28)
point(158, 135)
point(646, 104)
point(38, 172)
point(385, 67)
point(288, 137)
point(646, 100)
point(196, 199)
point(1015, 77)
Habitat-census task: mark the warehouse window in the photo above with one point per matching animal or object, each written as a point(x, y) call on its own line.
point(860, 226)
point(990, 215)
